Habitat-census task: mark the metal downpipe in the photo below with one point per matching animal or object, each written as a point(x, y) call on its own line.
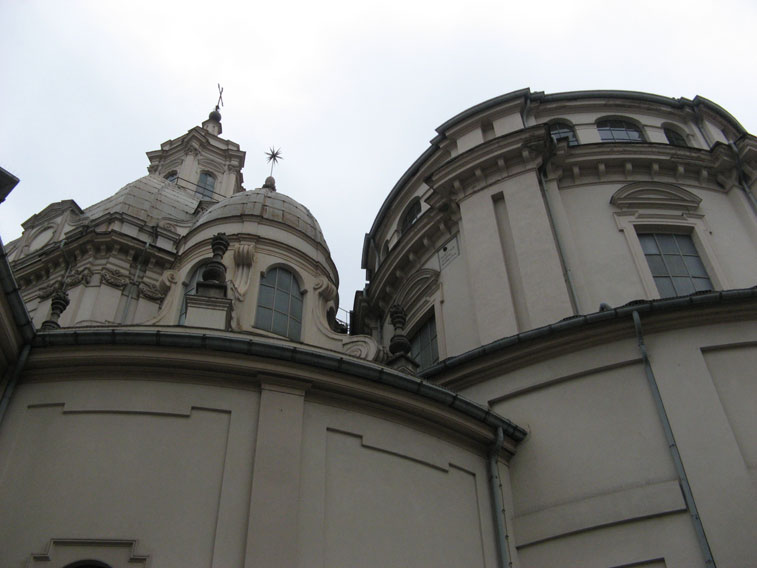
point(15, 374)
point(567, 276)
point(683, 480)
point(498, 509)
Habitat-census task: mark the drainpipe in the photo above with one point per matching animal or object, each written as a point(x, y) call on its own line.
point(683, 480)
point(15, 374)
point(498, 508)
point(556, 234)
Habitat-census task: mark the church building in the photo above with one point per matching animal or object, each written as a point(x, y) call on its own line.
point(551, 363)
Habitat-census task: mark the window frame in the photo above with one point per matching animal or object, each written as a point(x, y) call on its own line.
point(570, 128)
point(626, 123)
point(665, 258)
point(414, 209)
point(295, 286)
point(667, 130)
point(202, 190)
point(429, 318)
point(189, 286)
point(632, 223)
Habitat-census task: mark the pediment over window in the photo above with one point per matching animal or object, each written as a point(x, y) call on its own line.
point(417, 286)
point(651, 195)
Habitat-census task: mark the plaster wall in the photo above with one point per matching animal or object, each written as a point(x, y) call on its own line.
point(596, 463)
point(202, 474)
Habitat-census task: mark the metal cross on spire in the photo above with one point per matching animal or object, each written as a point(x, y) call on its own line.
point(220, 97)
point(274, 155)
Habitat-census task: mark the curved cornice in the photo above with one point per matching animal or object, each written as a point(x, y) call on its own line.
point(208, 353)
point(584, 331)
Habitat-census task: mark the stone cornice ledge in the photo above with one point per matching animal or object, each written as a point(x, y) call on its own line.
point(586, 330)
point(193, 342)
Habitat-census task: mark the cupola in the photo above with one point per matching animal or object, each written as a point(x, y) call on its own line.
point(200, 162)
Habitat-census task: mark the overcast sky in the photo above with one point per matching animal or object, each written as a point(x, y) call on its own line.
point(351, 91)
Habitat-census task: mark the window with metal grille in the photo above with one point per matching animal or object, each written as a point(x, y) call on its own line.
point(619, 131)
point(423, 346)
point(279, 304)
point(675, 138)
point(674, 263)
point(563, 131)
point(206, 185)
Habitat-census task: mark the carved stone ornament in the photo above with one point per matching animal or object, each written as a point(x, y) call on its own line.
point(77, 277)
point(47, 290)
point(325, 288)
point(399, 343)
point(73, 279)
point(169, 278)
point(167, 225)
point(150, 291)
point(364, 347)
point(114, 277)
point(244, 255)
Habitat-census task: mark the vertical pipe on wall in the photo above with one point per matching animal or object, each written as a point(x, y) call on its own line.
point(683, 480)
point(498, 508)
point(558, 241)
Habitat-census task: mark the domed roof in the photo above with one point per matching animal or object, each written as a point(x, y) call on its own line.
point(267, 204)
point(149, 198)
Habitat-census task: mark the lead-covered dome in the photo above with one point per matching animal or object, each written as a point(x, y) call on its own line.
point(269, 205)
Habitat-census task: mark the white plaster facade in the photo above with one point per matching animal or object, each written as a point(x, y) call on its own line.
point(159, 425)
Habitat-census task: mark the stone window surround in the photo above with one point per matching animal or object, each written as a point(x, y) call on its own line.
point(631, 223)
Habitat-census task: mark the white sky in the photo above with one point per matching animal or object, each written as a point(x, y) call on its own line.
point(351, 91)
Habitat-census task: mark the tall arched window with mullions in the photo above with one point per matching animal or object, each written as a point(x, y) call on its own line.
point(279, 304)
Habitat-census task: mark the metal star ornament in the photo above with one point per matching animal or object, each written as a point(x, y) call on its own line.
point(274, 155)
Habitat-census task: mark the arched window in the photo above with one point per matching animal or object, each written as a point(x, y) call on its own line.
point(206, 185)
point(279, 304)
point(675, 138)
point(563, 131)
point(411, 216)
point(189, 288)
point(87, 564)
point(172, 176)
point(617, 130)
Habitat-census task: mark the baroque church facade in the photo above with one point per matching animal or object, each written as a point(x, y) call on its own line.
point(551, 364)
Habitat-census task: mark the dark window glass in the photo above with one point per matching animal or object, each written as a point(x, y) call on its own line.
point(675, 138)
point(190, 288)
point(423, 347)
point(206, 185)
point(411, 215)
point(279, 304)
point(619, 131)
point(172, 177)
point(563, 131)
point(674, 263)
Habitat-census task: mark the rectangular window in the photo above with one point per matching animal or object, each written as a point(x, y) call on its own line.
point(675, 264)
point(423, 346)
